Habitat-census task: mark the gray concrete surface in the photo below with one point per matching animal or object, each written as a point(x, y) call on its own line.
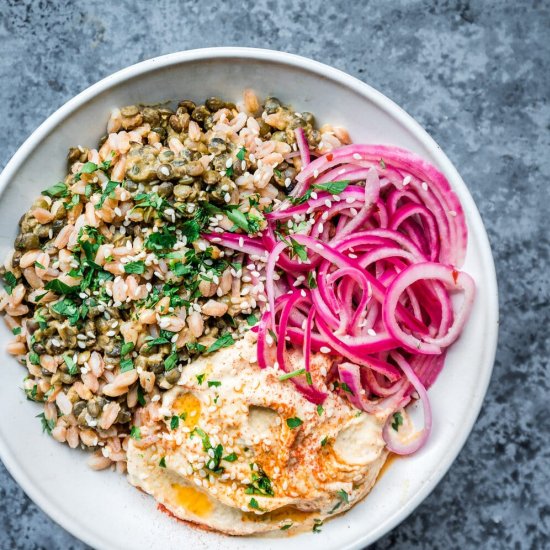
point(477, 76)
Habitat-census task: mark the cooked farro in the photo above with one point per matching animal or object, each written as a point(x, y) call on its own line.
point(110, 291)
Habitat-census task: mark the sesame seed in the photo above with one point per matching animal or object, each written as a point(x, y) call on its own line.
point(406, 180)
point(324, 349)
point(241, 242)
point(315, 173)
point(452, 213)
point(371, 332)
point(314, 195)
point(356, 156)
point(424, 186)
point(328, 204)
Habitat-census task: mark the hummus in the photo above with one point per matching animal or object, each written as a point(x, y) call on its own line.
point(235, 449)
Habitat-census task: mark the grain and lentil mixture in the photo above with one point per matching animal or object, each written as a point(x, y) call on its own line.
point(110, 290)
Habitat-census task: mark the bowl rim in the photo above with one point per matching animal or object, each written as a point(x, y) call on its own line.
point(87, 534)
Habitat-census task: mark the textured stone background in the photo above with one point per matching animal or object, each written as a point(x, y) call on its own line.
point(477, 76)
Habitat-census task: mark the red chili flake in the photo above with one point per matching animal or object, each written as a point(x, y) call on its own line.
point(329, 156)
point(455, 275)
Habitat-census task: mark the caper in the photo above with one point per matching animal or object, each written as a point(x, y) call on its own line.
point(151, 116)
point(131, 186)
point(166, 155)
point(94, 409)
point(194, 168)
point(129, 123)
point(39, 348)
point(160, 131)
point(172, 376)
point(209, 122)
point(187, 104)
point(175, 123)
point(265, 128)
point(211, 176)
point(15, 258)
point(165, 189)
point(181, 192)
point(279, 136)
point(164, 172)
point(272, 105)
point(217, 146)
point(129, 111)
point(27, 241)
point(219, 162)
point(123, 417)
point(200, 113)
point(78, 407)
point(75, 155)
point(308, 117)
point(214, 104)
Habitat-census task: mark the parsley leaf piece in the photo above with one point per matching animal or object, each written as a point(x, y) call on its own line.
point(164, 240)
point(324, 441)
point(230, 458)
point(88, 168)
point(47, 425)
point(126, 364)
point(241, 153)
point(286, 526)
point(162, 462)
point(16, 331)
point(317, 525)
point(311, 281)
point(171, 361)
point(320, 410)
point(10, 281)
point(140, 396)
point(195, 347)
point(214, 384)
point(34, 358)
point(292, 374)
point(174, 422)
point(343, 496)
point(238, 218)
point(135, 267)
point(294, 422)
point(56, 190)
point(397, 421)
point(254, 504)
point(126, 348)
point(346, 388)
point(222, 342)
point(252, 320)
point(200, 378)
point(72, 367)
point(298, 249)
point(191, 230)
point(109, 188)
point(135, 433)
point(332, 187)
point(59, 287)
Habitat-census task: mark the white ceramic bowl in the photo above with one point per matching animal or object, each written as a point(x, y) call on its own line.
point(101, 508)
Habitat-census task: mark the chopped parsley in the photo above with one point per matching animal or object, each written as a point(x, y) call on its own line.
point(292, 374)
point(107, 193)
point(135, 433)
point(294, 422)
point(397, 421)
point(10, 281)
point(311, 280)
point(231, 457)
point(251, 320)
point(126, 348)
point(16, 331)
point(174, 422)
point(332, 187)
point(222, 342)
point(214, 453)
point(162, 462)
point(171, 361)
point(214, 383)
point(47, 425)
point(241, 153)
point(346, 388)
point(59, 287)
point(126, 364)
point(317, 524)
point(135, 267)
point(72, 367)
point(195, 347)
point(200, 378)
point(343, 496)
point(57, 190)
point(260, 483)
point(254, 504)
point(162, 240)
point(320, 410)
point(286, 526)
point(324, 441)
point(34, 358)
